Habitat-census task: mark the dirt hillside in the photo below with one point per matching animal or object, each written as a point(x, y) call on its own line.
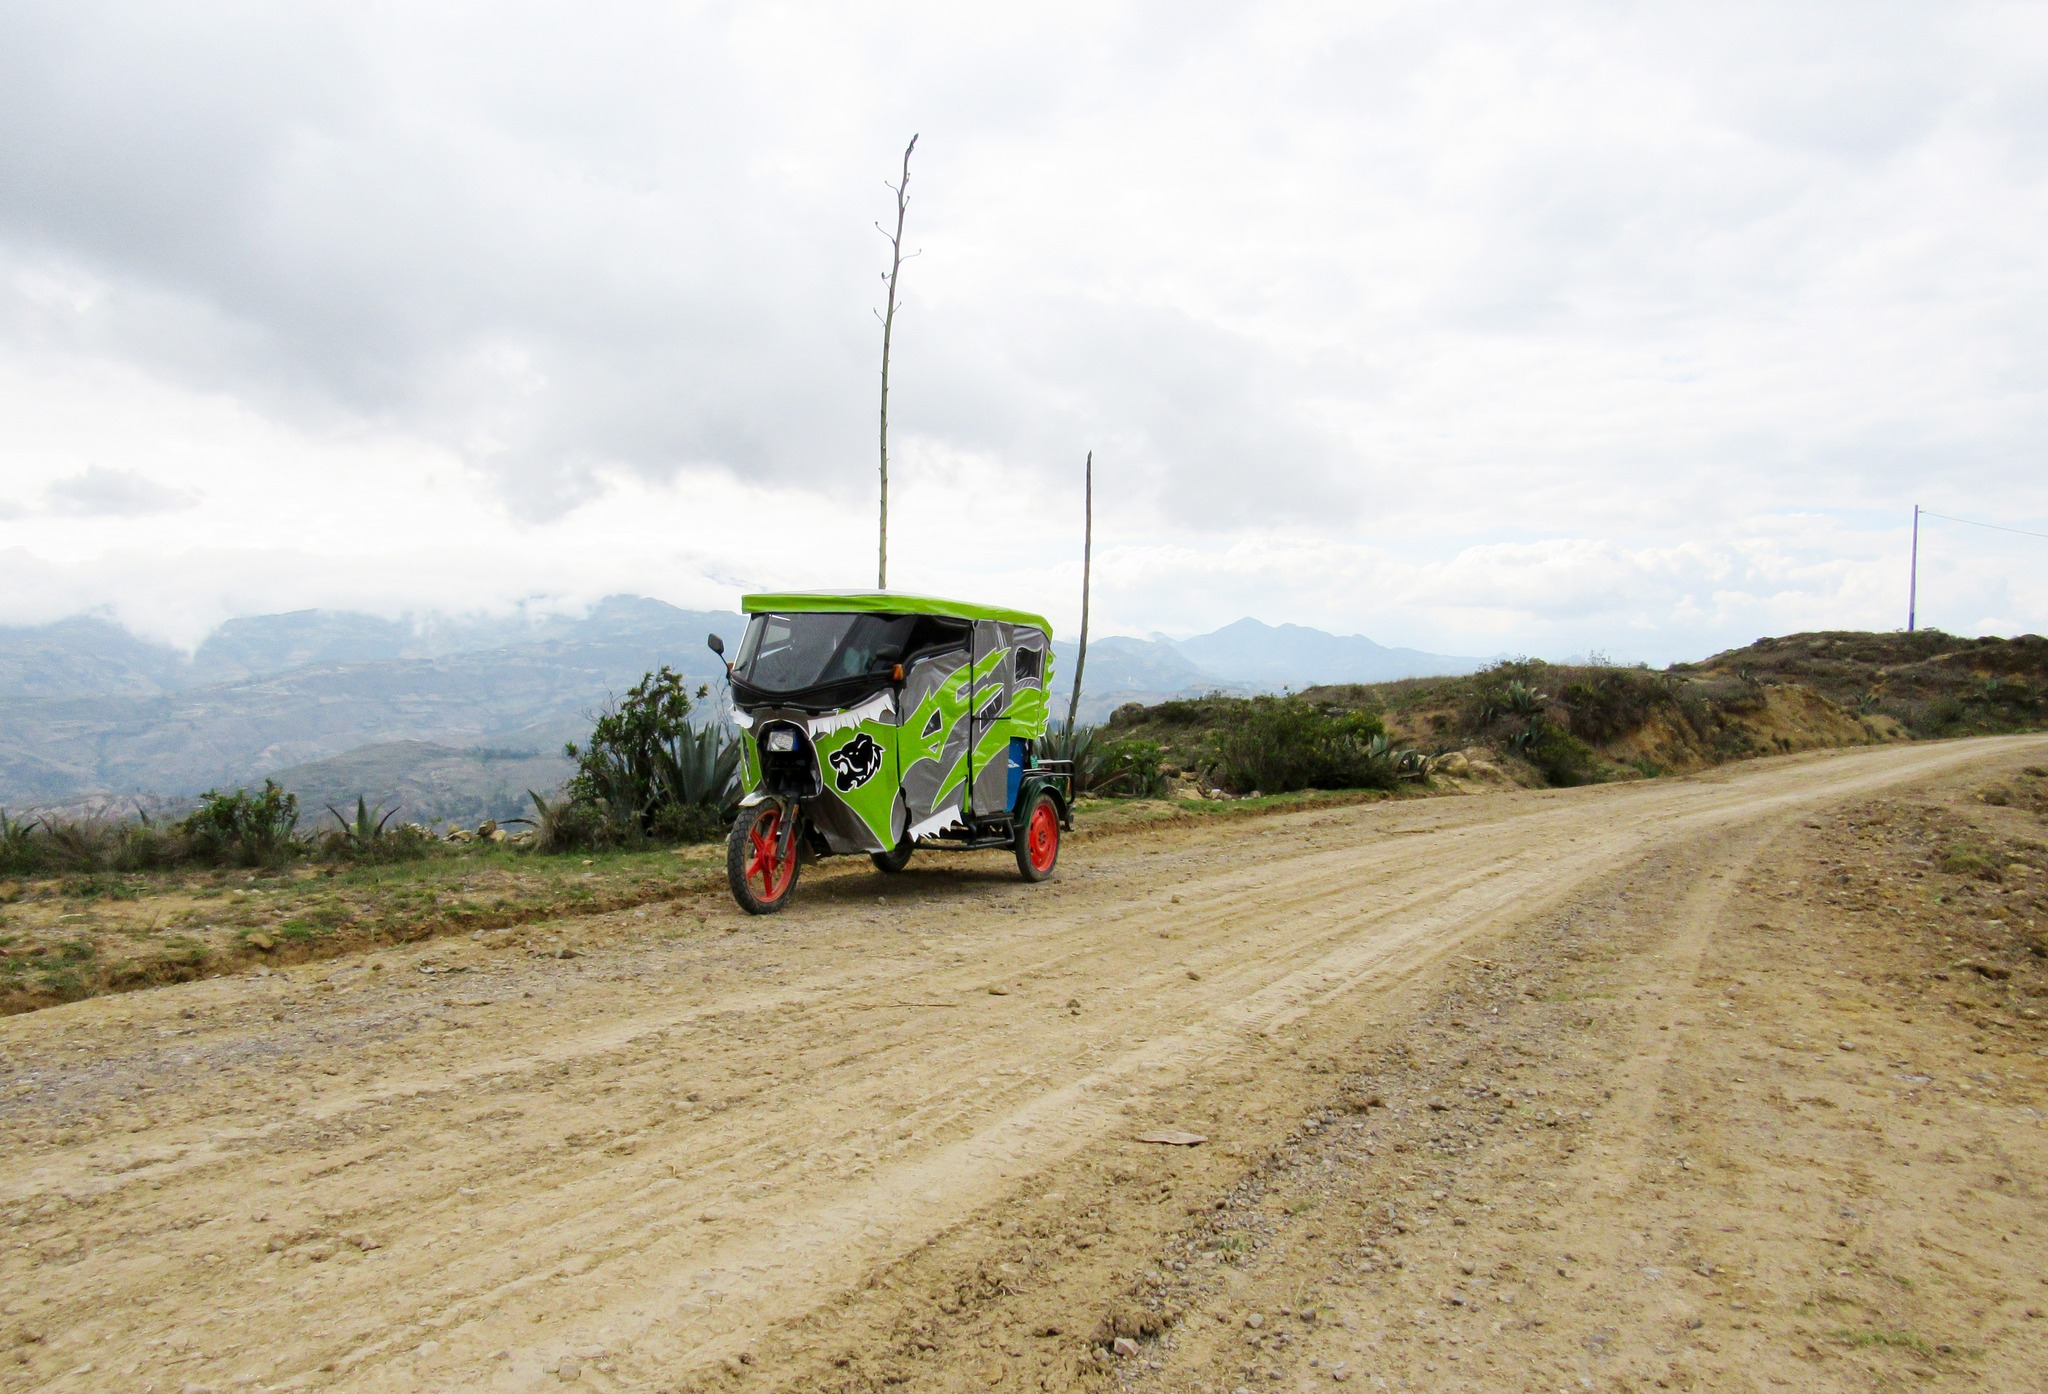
point(1729, 1082)
point(1539, 724)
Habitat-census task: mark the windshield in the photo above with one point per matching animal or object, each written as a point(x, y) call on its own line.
point(790, 653)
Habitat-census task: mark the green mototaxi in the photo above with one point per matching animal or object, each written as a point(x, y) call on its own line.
point(878, 722)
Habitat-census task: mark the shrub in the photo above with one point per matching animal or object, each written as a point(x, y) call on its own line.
point(85, 844)
point(1985, 705)
point(645, 772)
point(566, 825)
point(147, 845)
point(1131, 713)
point(52, 846)
point(1280, 744)
point(1505, 690)
point(243, 829)
point(1563, 758)
point(1130, 769)
point(1180, 712)
point(690, 822)
point(1612, 702)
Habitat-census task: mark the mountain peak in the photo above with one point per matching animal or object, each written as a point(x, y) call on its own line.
point(1293, 655)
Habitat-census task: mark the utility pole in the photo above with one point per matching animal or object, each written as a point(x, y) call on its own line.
point(902, 192)
point(1913, 574)
point(1087, 559)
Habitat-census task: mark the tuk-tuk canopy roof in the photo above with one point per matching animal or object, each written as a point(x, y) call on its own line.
point(885, 603)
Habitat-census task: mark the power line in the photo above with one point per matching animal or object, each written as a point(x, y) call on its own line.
point(1972, 522)
point(1913, 573)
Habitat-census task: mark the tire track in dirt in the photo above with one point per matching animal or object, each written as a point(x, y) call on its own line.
point(1676, 1139)
point(669, 1149)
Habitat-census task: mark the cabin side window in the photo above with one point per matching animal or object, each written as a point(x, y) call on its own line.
point(934, 634)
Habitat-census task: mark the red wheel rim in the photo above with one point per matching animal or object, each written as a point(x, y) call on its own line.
point(1042, 838)
point(772, 876)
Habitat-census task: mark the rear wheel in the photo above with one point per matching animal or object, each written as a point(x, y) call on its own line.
point(761, 871)
point(1038, 838)
point(891, 862)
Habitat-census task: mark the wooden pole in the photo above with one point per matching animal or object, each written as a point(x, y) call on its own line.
point(1913, 574)
point(888, 331)
point(1087, 559)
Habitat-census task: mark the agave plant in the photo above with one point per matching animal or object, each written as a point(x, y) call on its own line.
point(699, 769)
point(1081, 747)
point(17, 851)
point(367, 830)
point(564, 825)
point(1522, 699)
point(1399, 761)
point(611, 783)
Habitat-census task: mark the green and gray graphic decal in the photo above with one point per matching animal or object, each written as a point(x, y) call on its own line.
point(888, 768)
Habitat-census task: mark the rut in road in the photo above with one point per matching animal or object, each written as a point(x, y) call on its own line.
point(653, 1157)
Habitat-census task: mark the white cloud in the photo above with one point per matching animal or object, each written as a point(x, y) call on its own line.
point(1480, 326)
point(99, 492)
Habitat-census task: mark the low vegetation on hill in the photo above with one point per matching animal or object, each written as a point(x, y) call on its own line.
point(1932, 684)
point(1540, 723)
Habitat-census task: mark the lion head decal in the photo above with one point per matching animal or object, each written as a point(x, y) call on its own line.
point(856, 762)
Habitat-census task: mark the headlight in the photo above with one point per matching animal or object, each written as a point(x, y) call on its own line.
point(782, 741)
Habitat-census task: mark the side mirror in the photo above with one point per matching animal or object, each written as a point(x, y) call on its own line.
point(716, 645)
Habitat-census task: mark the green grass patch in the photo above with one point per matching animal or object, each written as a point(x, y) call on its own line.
point(1904, 1340)
point(185, 951)
point(101, 888)
point(1964, 859)
point(62, 982)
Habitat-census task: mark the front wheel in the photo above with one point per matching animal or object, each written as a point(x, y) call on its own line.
point(760, 862)
point(1038, 838)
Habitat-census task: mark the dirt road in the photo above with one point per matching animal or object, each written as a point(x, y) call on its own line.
point(1450, 1056)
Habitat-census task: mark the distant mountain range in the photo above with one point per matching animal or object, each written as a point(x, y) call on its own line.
point(457, 718)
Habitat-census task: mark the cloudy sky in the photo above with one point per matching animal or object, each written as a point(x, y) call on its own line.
point(1631, 328)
